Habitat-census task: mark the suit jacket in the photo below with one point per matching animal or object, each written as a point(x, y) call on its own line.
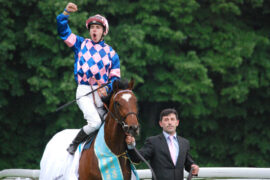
point(156, 150)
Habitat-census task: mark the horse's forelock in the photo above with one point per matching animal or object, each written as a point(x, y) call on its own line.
point(123, 84)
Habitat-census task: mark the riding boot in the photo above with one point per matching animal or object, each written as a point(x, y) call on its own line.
point(81, 136)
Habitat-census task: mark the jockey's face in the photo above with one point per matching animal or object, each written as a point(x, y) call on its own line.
point(96, 32)
point(169, 123)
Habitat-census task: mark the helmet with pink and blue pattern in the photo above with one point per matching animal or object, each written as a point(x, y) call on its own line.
point(98, 19)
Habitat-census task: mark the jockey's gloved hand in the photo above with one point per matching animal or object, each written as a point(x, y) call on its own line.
point(106, 99)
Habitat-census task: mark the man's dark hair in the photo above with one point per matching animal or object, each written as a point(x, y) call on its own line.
point(166, 112)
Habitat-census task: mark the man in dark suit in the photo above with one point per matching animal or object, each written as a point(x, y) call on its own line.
point(168, 153)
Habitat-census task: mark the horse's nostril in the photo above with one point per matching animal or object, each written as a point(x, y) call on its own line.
point(133, 130)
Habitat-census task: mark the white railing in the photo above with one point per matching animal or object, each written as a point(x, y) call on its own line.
point(19, 174)
point(205, 172)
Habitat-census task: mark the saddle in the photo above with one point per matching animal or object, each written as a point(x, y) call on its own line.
point(90, 139)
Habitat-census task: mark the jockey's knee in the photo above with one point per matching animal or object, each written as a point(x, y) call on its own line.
point(92, 126)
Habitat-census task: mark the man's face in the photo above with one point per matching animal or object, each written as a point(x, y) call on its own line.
point(96, 32)
point(169, 123)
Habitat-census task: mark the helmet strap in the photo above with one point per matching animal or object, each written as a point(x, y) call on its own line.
point(102, 36)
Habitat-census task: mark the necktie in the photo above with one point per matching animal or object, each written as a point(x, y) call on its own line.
point(172, 149)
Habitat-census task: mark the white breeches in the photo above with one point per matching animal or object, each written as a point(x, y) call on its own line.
point(90, 112)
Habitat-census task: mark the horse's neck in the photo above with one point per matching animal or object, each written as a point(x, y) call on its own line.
point(114, 136)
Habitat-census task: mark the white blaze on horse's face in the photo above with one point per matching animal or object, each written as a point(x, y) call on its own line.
point(126, 96)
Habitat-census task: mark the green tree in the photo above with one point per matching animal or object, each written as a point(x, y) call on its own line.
point(208, 59)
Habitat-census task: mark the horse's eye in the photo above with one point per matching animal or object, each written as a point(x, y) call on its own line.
point(116, 103)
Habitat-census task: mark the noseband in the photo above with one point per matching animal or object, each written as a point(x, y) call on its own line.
point(122, 119)
point(122, 122)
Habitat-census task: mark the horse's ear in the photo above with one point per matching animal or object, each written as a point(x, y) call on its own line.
point(131, 84)
point(115, 85)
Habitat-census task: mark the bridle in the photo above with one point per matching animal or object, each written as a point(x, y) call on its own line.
point(122, 119)
point(126, 128)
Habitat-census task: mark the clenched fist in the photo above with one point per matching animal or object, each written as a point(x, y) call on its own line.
point(71, 7)
point(102, 92)
point(130, 139)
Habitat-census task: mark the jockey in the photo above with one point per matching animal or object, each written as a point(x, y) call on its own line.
point(95, 63)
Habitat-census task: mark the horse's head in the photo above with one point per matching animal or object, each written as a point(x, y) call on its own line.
point(123, 105)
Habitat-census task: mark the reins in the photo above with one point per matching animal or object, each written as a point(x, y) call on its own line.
point(190, 175)
point(146, 162)
point(67, 104)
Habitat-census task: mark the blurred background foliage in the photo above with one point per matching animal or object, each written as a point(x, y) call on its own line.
point(209, 59)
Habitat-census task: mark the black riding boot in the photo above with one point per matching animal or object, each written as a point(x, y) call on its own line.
point(81, 136)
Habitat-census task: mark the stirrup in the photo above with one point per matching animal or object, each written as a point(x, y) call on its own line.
point(72, 149)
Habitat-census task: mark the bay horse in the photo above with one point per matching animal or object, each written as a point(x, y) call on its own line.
point(121, 120)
